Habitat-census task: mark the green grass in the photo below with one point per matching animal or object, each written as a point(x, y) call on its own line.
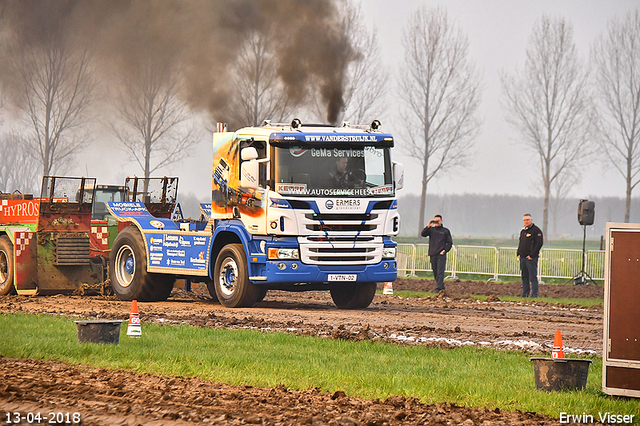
point(563, 301)
point(503, 278)
point(467, 376)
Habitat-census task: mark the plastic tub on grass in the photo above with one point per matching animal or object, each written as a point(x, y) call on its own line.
point(554, 374)
point(102, 331)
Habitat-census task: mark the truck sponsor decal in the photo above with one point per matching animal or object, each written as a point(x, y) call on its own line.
point(183, 252)
point(291, 188)
point(337, 153)
point(279, 203)
point(200, 241)
point(128, 209)
point(301, 189)
point(386, 189)
point(344, 204)
point(19, 211)
point(205, 208)
point(340, 138)
point(297, 151)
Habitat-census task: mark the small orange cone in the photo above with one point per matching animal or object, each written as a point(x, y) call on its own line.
point(388, 288)
point(134, 329)
point(558, 350)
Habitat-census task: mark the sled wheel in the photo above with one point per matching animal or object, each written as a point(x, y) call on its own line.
point(128, 270)
point(231, 278)
point(353, 296)
point(6, 267)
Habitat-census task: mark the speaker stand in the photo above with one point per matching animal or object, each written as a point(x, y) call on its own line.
point(581, 278)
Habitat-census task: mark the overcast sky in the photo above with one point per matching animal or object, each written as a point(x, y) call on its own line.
point(498, 33)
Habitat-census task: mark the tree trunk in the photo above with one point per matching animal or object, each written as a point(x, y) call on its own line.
point(423, 192)
point(547, 194)
point(423, 205)
point(627, 206)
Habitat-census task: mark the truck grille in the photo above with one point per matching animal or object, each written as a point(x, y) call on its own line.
point(340, 227)
point(354, 223)
point(71, 250)
point(326, 217)
point(351, 251)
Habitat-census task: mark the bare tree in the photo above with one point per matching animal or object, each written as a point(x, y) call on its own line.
point(549, 103)
point(440, 90)
point(259, 94)
point(366, 79)
point(154, 124)
point(52, 84)
point(617, 59)
point(558, 201)
point(19, 169)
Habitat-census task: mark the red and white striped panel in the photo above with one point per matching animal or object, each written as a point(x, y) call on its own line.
point(23, 239)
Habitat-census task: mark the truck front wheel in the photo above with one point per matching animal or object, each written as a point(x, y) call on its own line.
point(6, 267)
point(353, 296)
point(231, 278)
point(128, 270)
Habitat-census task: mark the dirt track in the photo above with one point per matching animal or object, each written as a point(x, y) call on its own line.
point(446, 320)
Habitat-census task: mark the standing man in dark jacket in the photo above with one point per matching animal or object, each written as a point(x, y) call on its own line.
point(440, 242)
point(528, 251)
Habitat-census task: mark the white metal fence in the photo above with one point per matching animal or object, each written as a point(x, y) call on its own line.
point(501, 261)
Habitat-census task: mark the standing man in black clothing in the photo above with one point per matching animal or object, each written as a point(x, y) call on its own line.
point(528, 251)
point(440, 242)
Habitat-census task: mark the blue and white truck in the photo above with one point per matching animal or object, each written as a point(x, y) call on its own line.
point(294, 207)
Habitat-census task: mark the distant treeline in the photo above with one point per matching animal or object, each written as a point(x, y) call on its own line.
point(491, 216)
point(477, 215)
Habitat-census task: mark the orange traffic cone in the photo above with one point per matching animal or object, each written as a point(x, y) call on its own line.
point(134, 329)
point(558, 351)
point(388, 288)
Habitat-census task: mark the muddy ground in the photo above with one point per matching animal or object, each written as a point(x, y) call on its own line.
point(446, 320)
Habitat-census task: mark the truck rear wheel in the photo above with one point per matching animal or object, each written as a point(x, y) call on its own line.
point(231, 278)
point(128, 270)
point(353, 296)
point(6, 267)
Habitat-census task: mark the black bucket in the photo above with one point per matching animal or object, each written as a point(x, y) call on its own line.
point(553, 374)
point(99, 331)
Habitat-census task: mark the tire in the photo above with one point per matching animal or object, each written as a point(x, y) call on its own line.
point(231, 278)
point(6, 267)
point(212, 291)
point(128, 270)
point(262, 294)
point(353, 296)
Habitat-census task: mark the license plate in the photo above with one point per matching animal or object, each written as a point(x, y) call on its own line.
point(342, 277)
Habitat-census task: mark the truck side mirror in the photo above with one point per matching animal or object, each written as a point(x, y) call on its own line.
point(249, 168)
point(249, 153)
point(398, 175)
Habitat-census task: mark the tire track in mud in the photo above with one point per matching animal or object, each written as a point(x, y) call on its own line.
point(442, 321)
point(107, 397)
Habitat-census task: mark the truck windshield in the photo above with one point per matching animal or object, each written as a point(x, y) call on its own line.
point(333, 171)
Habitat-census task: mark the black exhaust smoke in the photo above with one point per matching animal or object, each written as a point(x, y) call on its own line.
point(200, 38)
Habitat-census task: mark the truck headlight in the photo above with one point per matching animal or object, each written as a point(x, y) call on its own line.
point(283, 253)
point(389, 252)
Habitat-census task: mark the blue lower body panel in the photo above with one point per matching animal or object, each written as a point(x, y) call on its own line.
point(320, 273)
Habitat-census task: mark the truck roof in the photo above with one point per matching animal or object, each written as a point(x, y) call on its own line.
point(318, 133)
